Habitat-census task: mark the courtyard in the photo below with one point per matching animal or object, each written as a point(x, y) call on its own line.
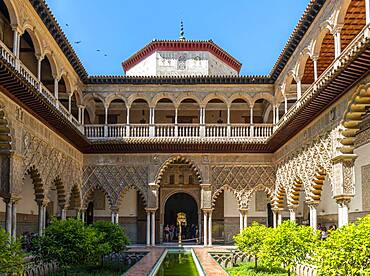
point(121, 154)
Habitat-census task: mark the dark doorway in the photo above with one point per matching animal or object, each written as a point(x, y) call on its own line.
point(182, 202)
point(269, 216)
point(90, 213)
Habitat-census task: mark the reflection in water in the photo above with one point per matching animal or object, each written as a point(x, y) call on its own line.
point(177, 264)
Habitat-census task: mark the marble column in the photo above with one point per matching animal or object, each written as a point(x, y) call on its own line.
point(63, 214)
point(153, 228)
point(148, 227)
point(8, 215)
point(56, 93)
point(313, 215)
point(205, 221)
point(292, 215)
point(367, 8)
point(274, 218)
point(279, 217)
point(41, 218)
point(343, 211)
point(337, 44)
point(14, 219)
point(241, 221)
point(299, 88)
point(245, 219)
point(210, 228)
point(16, 42)
point(315, 71)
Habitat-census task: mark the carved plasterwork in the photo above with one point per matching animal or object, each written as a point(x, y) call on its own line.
point(242, 180)
point(304, 164)
point(114, 180)
point(49, 162)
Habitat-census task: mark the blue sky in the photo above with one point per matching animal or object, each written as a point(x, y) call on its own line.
point(253, 31)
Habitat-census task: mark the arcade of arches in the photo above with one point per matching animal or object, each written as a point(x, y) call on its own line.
point(310, 162)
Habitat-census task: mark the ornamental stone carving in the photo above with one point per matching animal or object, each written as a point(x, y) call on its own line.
point(49, 162)
point(242, 177)
point(115, 179)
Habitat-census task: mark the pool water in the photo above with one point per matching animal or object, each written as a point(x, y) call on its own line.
point(178, 264)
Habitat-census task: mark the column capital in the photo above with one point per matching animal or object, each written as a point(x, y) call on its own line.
point(344, 158)
point(43, 202)
point(205, 186)
point(153, 186)
point(312, 204)
point(207, 210)
point(149, 210)
point(343, 199)
point(243, 209)
point(337, 29)
point(292, 207)
point(315, 57)
point(17, 28)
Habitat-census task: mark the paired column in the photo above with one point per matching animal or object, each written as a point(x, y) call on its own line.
point(285, 104)
point(243, 218)
point(11, 216)
point(315, 71)
point(337, 44)
point(292, 213)
point(202, 121)
point(63, 214)
point(207, 227)
point(367, 8)
point(41, 216)
point(150, 227)
point(299, 87)
point(56, 92)
point(313, 215)
point(115, 216)
point(151, 122)
point(277, 217)
point(343, 211)
point(16, 41)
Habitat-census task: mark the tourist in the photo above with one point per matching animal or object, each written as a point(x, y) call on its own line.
point(172, 232)
point(167, 233)
point(324, 233)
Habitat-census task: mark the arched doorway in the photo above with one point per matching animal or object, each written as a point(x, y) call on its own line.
point(182, 202)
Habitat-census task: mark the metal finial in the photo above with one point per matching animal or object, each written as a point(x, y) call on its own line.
point(182, 37)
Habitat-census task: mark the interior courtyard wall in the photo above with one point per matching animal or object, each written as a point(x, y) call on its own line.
point(36, 145)
point(322, 134)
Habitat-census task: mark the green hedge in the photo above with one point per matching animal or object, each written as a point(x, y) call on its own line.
point(346, 251)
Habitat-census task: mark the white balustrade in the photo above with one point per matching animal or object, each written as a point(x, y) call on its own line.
point(7, 54)
point(117, 131)
point(191, 130)
point(240, 130)
point(218, 130)
point(139, 130)
point(165, 130)
point(94, 131)
point(262, 130)
point(31, 79)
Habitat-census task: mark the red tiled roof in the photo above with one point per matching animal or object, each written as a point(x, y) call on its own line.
point(182, 45)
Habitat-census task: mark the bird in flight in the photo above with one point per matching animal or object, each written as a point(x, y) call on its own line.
point(78, 42)
point(98, 50)
point(67, 25)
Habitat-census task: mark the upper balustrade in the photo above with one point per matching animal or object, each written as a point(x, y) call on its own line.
point(119, 131)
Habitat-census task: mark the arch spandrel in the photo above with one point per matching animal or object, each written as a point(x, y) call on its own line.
point(183, 160)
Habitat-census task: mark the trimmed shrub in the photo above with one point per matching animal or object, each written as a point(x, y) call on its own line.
point(288, 245)
point(346, 251)
point(251, 239)
point(113, 234)
point(70, 243)
point(11, 254)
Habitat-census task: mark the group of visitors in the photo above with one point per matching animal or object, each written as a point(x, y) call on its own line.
point(325, 231)
point(171, 232)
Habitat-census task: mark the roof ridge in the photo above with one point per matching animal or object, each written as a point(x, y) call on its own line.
point(273, 73)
